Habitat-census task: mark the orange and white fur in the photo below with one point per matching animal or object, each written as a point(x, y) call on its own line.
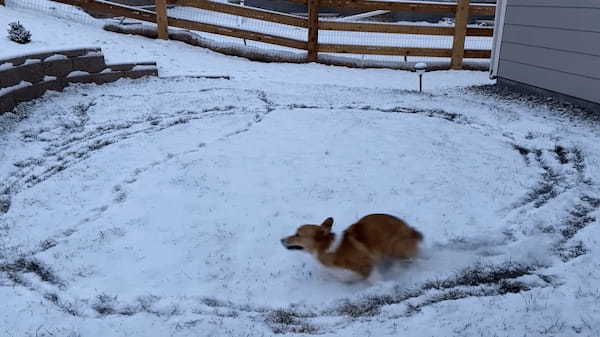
point(374, 239)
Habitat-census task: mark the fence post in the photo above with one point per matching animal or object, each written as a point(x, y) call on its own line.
point(460, 31)
point(162, 22)
point(313, 30)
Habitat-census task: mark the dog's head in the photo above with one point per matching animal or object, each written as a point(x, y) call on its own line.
point(311, 238)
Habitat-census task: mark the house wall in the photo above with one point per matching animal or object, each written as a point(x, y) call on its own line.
point(553, 45)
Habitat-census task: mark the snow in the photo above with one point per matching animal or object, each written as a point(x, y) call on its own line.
point(31, 61)
point(154, 207)
point(5, 66)
point(20, 85)
point(144, 67)
point(362, 16)
point(77, 73)
point(49, 78)
point(421, 67)
point(93, 53)
point(55, 57)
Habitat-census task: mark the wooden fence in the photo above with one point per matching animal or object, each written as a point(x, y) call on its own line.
point(461, 10)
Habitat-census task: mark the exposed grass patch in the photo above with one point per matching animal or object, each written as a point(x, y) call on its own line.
point(4, 203)
point(537, 101)
point(480, 274)
point(570, 252)
point(66, 307)
point(475, 281)
point(47, 244)
point(285, 321)
point(369, 306)
point(552, 181)
point(524, 152)
point(105, 304)
point(580, 216)
point(29, 265)
point(562, 154)
point(578, 160)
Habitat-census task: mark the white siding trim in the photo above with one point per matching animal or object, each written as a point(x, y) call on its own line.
point(497, 43)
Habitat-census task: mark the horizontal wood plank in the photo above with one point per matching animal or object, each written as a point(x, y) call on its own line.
point(399, 51)
point(416, 7)
point(379, 50)
point(399, 29)
point(477, 53)
point(475, 31)
point(113, 9)
point(482, 10)
point(405, 6)
point(246, 12)
point(239, 33)
point(384, 28)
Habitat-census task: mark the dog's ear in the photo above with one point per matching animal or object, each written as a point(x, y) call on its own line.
point(327, 224)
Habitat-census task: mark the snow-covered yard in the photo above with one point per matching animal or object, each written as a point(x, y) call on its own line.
point(155, 207)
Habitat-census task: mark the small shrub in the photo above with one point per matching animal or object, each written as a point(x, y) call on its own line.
point(18, 33)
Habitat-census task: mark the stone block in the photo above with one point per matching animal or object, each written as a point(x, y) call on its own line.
point(27, 93)
point(90, 64)
point(7, 103)
point(58, 68)
point(121, 67)
point(78, 52)
point(31, 73)
point(9, 77)
point(141, 73)
point(58, 84)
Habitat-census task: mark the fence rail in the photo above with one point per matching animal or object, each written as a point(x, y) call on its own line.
point(219, 7)
point(405, 6)
point(313, 25)
point(239, 33)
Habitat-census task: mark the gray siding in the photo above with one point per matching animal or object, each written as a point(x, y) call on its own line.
point(554, 45)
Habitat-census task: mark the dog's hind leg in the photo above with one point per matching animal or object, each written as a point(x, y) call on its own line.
point(374, 277)
point(405, 248)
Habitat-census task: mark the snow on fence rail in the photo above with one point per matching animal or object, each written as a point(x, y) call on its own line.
point(319, 38)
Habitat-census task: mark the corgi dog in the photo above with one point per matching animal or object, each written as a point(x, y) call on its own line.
point(374, 239)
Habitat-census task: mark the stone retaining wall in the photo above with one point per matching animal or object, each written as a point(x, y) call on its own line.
point(26, 77)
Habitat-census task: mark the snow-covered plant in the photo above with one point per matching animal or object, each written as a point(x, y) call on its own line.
point(18, 33)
